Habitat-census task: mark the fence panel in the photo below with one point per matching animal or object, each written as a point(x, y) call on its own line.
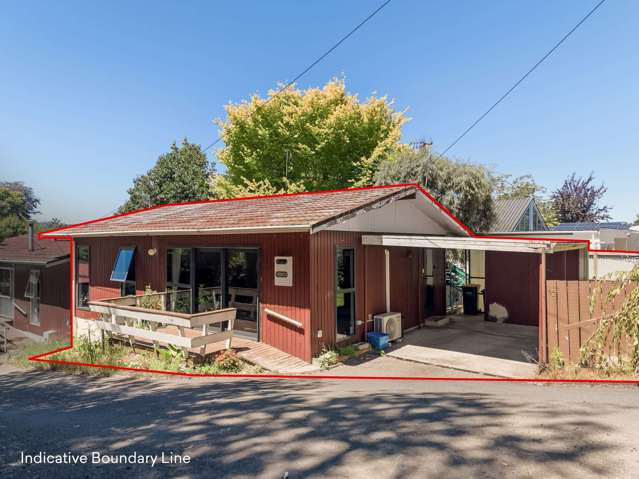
point(573, 310)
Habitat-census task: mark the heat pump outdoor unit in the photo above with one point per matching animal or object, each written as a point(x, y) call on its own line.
point(389, 323)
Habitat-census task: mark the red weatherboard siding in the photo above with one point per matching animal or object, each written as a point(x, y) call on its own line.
point(323, 247)
point(54, 300)
point(370, 284)
point(404, 284)
point(293, 302)
point(512, 280)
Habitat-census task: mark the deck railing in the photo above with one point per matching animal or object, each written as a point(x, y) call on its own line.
point(142, 317)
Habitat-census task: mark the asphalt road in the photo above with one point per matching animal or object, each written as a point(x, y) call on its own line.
point(318, 428)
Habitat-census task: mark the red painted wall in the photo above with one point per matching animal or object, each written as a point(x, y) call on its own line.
point(293, 302)
point(370, 284)
point(512, 280)
point(54, 300)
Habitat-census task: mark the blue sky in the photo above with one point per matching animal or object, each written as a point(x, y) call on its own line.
point(92, 92)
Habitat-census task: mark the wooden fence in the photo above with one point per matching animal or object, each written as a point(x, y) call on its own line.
point(572, 316)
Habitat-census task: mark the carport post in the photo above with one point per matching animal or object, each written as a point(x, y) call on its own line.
point(387, 275)
point(543, 353)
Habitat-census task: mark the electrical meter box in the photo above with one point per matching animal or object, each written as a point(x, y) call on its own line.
point(283, 271)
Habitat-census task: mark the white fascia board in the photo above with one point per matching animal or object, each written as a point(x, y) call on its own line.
point(212, 231)
point(480, 244)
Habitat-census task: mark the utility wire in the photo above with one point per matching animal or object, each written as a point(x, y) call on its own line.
point(534, 67)
point(312, 65)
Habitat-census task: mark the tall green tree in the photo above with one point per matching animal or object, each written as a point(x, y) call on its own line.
point(578, 200)
point(18, 204)
point(465, 189)
point(179, 176)
point(636, 223)
point(507, 187)
point(315, 139)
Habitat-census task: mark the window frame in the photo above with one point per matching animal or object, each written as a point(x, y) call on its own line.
point(352, 290)
point(78, 295)
point(128, 270)
point(32, 292)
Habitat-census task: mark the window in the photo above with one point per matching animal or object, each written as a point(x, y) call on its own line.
point(345, 291)
point(33, 285)
point(6, 293)
point(33, 293)
point(82, 277)
point(124, 271)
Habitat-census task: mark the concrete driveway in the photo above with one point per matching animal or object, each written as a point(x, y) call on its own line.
point(318, 427)
point(473, 345)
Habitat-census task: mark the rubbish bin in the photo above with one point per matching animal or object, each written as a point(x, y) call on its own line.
point(470, 293)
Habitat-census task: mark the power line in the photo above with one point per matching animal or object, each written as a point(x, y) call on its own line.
point(534, 67)
point(312, 65)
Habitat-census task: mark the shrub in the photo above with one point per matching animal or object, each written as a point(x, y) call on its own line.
point(328, 358)
point(228, 361)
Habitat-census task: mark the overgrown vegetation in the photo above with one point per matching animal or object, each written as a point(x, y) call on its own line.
point(614, 346)
point(327, 358)
point(114, 353)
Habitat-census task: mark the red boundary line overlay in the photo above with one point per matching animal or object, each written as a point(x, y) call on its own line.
point(42, 235)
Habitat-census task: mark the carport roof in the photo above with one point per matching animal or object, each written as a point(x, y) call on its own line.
point(516, 245)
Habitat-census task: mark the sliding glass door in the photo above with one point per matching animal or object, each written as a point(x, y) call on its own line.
point(208, 279)
point(205, 279)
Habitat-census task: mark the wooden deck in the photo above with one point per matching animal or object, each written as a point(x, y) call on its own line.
point(254, 352)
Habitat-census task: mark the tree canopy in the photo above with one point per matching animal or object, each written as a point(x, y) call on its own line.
point(179, 176)
point(466, 189)
point(636, 223)
point(578, 200)
point(18, 204)
point(319, 138)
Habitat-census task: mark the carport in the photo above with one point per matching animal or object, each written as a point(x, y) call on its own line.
point(515, 272)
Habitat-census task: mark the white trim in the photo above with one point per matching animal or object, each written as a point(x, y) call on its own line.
point(481, 244)
point(251, 229)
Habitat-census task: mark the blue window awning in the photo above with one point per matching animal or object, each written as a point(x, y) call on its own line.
point(122, 265)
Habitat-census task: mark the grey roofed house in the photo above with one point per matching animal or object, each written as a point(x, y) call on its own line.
point(518, 214)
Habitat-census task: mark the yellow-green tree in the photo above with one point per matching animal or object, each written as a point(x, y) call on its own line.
point(320, 138)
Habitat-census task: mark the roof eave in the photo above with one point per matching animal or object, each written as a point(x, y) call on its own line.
point(185, 232)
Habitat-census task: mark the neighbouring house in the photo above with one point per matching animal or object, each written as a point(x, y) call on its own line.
point(517, 214)
point(305, 270)
point(35, 286)
point(613, 246)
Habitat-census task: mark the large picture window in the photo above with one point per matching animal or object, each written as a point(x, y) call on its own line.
point(82, 277)
point(32, 292)
point(124, 271)
point(6, 293)
point(345, 291)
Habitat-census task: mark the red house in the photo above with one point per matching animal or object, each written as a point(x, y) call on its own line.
point(304, 270)
point(34, 286)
